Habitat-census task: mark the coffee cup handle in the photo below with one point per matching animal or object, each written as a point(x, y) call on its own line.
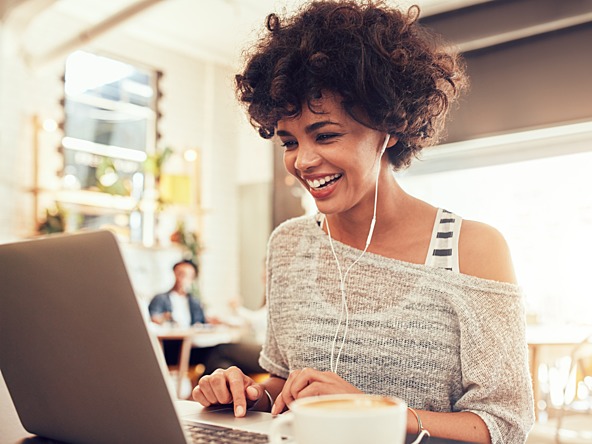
point(278, 425)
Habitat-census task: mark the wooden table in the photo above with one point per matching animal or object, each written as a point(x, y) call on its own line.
point(555, 340)
point(198, 336)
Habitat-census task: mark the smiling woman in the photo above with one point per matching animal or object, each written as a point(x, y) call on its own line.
point(380, 292)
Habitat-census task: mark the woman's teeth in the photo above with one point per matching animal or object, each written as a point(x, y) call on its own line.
point(323, 181)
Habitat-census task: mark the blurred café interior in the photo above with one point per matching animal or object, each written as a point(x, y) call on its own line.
point(121, 115)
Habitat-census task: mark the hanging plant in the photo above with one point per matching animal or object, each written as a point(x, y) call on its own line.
point(154, 163)
point(189, 240)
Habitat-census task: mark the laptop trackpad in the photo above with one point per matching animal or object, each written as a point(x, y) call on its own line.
point(224, 416)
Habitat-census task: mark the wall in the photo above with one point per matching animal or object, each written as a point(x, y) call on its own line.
point(255, 178)
point(8, 134)
point(24, 95)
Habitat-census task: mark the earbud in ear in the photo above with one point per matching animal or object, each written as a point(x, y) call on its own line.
point(384, 145)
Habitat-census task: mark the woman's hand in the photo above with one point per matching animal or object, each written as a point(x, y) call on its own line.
point(230, 386)
point(310, 382)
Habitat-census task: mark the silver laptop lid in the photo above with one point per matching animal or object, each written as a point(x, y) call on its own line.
point(74, 349)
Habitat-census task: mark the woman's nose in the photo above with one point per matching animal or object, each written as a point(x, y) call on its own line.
point(307, 158)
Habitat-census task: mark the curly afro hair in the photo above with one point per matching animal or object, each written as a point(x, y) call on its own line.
point(392, 74)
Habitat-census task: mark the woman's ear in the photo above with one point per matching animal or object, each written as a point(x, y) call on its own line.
point(392, 141)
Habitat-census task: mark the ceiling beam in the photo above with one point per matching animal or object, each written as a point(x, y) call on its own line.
point(88, 35)
point(523, 33)
point(489, 24)
point(19, 13)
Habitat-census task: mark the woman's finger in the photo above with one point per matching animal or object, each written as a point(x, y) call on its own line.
point(284, 398)
point(219, 386)
point(237, 383)
point(205, 390)
point(303, 379)
point(279, 405)
point(199, 396)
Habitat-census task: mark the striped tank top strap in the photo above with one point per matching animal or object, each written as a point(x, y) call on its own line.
point(443, 249)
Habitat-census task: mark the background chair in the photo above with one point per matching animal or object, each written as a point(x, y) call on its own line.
point(574, 420)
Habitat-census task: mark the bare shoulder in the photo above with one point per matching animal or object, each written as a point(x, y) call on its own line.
point(484, 253)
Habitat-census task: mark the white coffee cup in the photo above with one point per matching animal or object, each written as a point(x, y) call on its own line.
point(343, 419)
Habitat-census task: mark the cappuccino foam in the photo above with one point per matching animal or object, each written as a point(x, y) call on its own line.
point(351, 404)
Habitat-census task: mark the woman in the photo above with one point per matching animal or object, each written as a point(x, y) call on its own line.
point(382, 292)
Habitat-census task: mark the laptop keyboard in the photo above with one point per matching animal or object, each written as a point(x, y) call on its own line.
point(211, 434)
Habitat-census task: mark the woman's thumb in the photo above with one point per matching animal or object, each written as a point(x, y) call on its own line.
point(253, 393)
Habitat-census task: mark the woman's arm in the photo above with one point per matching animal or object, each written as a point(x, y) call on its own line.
point(462, 426)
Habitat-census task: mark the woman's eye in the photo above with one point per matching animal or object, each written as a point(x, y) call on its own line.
point(326, 137)
point(289, 144)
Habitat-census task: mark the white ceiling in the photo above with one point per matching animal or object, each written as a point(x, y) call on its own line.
point(211, 29)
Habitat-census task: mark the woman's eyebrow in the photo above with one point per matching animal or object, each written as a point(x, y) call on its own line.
point(317, 125)
point(310, 128)
point(283, 133)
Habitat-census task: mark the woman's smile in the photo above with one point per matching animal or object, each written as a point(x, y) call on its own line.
point(323, 186)
point(323, 181)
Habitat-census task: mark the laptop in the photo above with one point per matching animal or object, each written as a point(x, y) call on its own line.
point(76, 354)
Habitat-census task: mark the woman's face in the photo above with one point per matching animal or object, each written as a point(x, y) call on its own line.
point(333, 156)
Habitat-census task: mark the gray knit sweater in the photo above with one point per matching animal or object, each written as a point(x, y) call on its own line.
point(440, 340)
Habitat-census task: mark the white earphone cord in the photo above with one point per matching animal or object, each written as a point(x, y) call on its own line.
point(343, 277)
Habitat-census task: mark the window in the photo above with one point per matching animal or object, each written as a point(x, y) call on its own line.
point(543, 207)
point(109, 131)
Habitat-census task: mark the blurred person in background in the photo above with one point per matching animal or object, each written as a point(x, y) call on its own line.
point(179, 308)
